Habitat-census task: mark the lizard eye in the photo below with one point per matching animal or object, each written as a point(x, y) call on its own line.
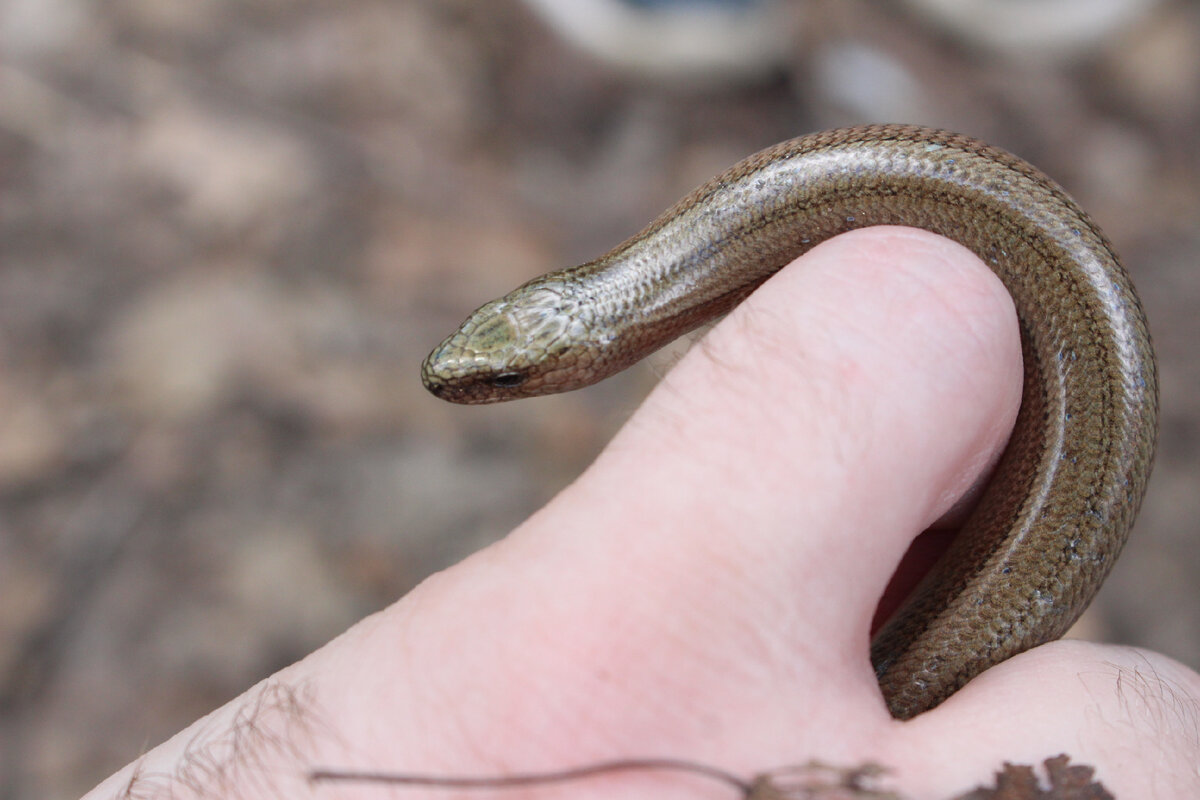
point(508, 380)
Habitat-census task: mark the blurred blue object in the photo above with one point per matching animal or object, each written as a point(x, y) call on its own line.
point(733, 4)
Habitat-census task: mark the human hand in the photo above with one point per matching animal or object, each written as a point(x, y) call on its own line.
point(706, 589)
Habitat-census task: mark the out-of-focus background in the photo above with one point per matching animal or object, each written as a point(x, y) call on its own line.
point(230, 231)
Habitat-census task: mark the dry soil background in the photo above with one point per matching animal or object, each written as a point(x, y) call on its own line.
point(230, 231)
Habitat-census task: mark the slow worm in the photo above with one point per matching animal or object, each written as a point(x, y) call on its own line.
point(1055, 514)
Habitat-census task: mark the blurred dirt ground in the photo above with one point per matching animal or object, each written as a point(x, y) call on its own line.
point(230, 231)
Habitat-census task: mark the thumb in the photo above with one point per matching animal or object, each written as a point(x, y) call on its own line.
point(705, 589)
point(743, 525)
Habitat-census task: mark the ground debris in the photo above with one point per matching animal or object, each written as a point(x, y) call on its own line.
point(820, 781)
point(1066, 782)
point(815, 780)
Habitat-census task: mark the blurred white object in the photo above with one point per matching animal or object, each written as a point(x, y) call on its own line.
point(1051, 28)
point(705, 40)
point(868, 83)
point(34, 27)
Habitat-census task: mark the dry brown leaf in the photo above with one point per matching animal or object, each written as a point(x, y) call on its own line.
point(1066, 782)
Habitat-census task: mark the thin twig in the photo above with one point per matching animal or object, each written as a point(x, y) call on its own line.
point(533, 778)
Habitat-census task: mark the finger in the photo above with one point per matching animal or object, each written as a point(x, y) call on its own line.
point(839, 411)
point(1129, 713)
point(757, 504)
point(706, 587)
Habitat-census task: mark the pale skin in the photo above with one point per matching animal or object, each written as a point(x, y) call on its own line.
point(705, 590)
